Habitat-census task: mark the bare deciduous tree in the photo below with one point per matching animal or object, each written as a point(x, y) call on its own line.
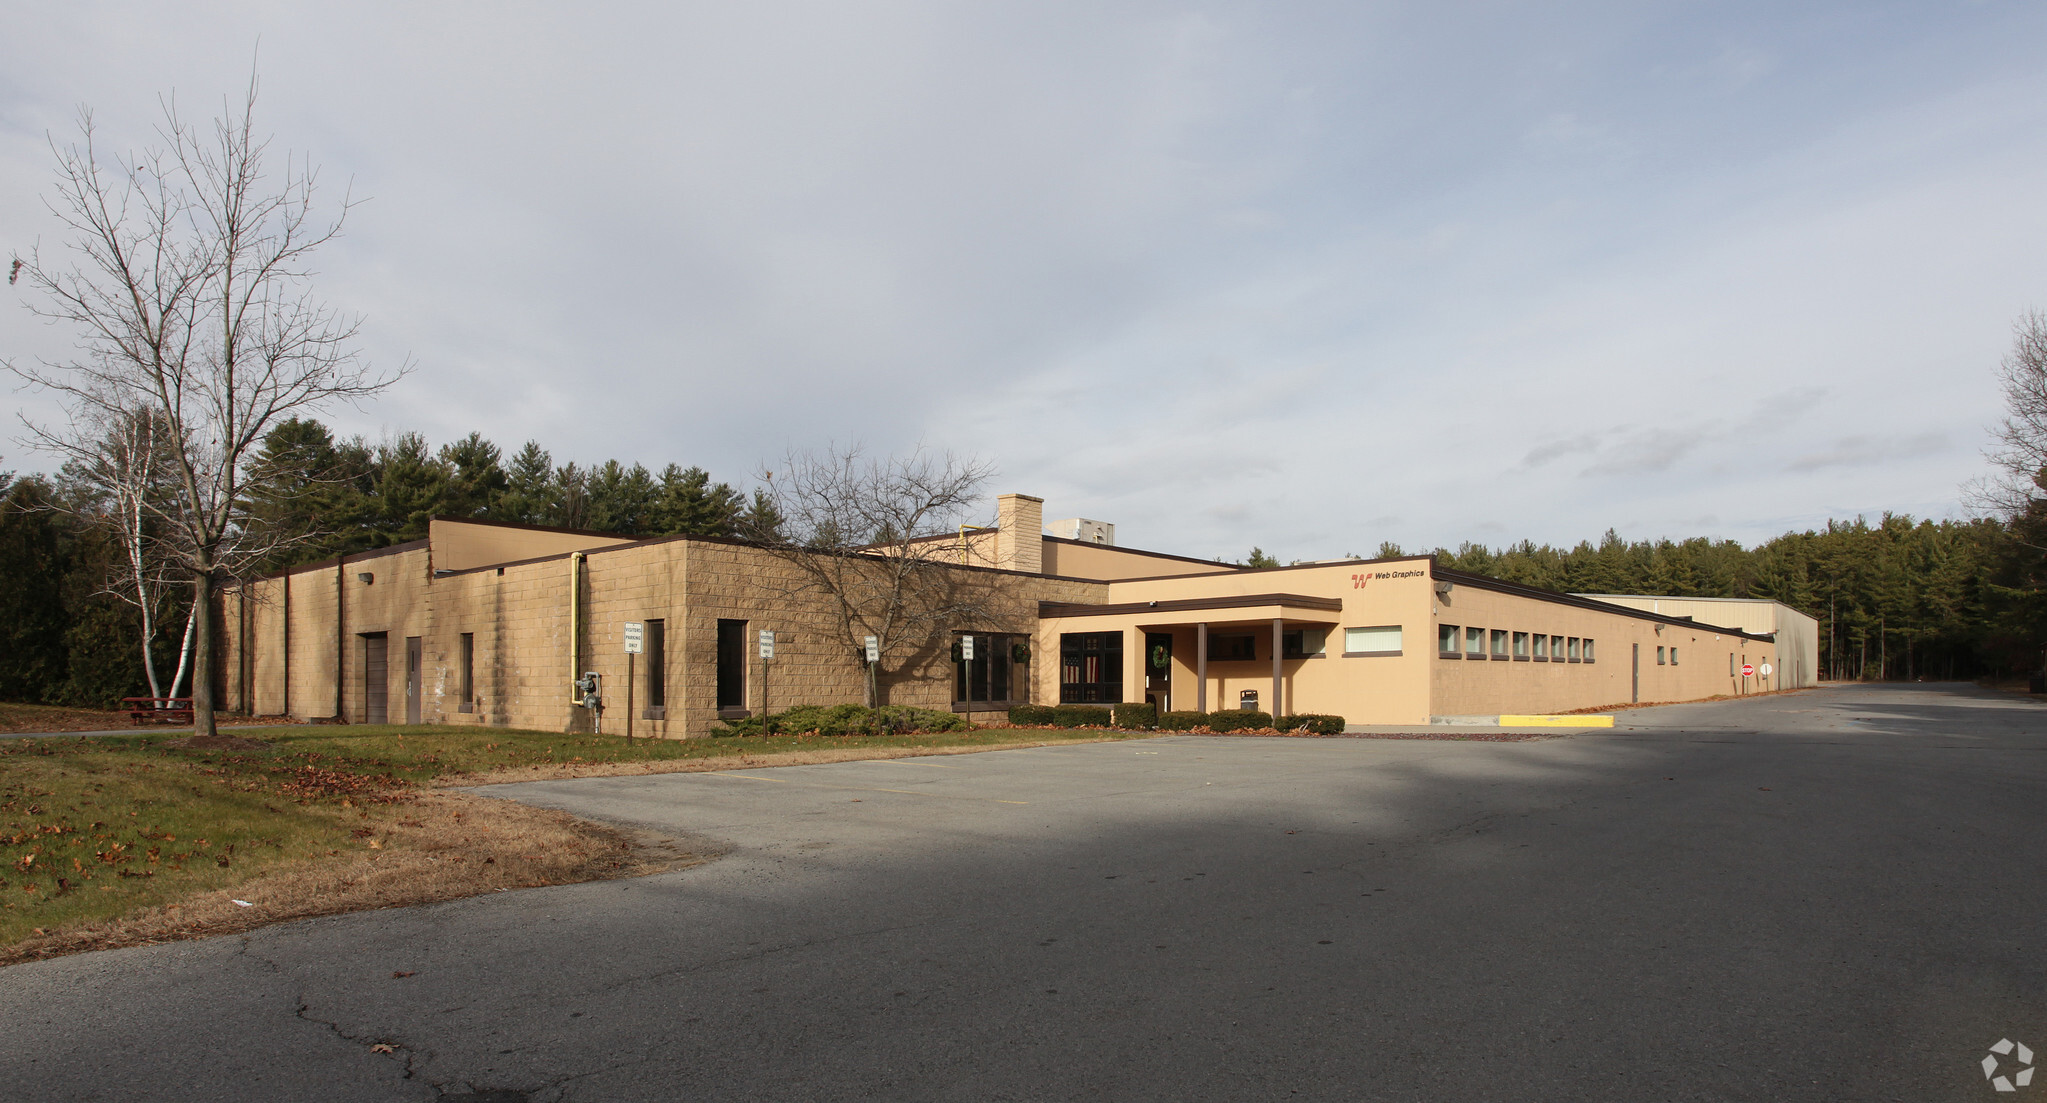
point(187, 282)
point(2020, 451)
point(121, 487)
point(876, 540)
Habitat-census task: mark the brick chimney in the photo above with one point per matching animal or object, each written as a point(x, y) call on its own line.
point(1020, 533)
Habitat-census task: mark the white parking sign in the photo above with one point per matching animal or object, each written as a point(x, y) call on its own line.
point(767, 643)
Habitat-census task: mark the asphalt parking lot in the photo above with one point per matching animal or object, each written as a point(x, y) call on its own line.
point(1826, 895)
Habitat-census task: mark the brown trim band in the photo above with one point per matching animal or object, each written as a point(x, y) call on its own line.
point(1048, 609)
point(1482, 582)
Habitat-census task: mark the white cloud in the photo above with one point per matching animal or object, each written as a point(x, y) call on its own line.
point(1309, 278)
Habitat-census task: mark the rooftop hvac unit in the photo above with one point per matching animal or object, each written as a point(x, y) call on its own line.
point(1085, 531)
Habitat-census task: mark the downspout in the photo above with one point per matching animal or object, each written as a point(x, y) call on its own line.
point(286, 710)
point(575, 624)
point(340, 634)
point(242, 646)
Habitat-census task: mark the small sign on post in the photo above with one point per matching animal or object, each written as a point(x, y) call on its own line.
point(967, 648)
point(1747, 670)
point(1766, 668)
point(635, 637)
point(767, 643)
point(873, 649)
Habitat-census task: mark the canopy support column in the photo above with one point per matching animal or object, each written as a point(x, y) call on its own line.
point(1278, 632)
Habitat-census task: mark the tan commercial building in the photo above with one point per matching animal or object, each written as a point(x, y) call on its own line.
point(1797, 634)
point(485, 623)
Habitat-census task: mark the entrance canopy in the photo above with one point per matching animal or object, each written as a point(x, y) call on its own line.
point(1233, 614)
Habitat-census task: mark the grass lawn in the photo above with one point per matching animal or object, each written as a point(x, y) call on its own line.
point(124, 839)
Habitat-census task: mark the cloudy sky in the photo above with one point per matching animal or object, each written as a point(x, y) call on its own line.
point(1307, 276)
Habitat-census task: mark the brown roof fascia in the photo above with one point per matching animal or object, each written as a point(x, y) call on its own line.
point(1079, 609)
point(1500, 585)
point(1275, 570)
point(1149, 554)
point(735, 542)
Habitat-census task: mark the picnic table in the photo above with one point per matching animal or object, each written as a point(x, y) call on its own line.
point(158, 710)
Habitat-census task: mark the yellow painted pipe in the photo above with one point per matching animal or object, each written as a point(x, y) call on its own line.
point(575, 623)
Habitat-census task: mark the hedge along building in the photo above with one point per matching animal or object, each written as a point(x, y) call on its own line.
point(485, 623)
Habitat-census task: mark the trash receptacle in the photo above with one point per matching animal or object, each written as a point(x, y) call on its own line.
point(1248, 700)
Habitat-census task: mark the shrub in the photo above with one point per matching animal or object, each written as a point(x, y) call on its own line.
point(1081, 716)
point(1231, 720)
point(1319, 723)
point(848, 720)
point(1136, 717)
point(1182, 721)
point(1034, 715)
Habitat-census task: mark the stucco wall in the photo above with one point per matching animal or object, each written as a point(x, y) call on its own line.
point(1466, 686)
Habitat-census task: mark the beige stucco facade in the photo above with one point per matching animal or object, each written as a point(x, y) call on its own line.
point(491, 624)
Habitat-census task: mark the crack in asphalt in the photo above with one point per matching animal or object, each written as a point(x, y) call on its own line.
point(302, 1010)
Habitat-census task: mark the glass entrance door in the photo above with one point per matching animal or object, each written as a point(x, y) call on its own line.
point(1158, 670)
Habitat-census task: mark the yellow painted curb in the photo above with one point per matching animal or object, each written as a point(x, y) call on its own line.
point(1556, 721)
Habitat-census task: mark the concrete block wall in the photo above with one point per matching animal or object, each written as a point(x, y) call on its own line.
point(521, 620)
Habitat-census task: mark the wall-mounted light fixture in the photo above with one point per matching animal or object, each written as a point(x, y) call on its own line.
point(442, 572)
point(365, 578)
point(1444, 586)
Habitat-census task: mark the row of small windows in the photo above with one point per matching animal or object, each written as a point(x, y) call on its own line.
point(1460, 642)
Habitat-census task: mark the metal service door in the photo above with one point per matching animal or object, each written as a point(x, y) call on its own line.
point(1158, 670)
point(412, 679)
point(376, 686)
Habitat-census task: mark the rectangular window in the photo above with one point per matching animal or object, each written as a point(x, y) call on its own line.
point(1520, 645)
point(1588, 649)
point(731, 664)
point(1383, 640)
point(1232, 648)
point(1303, 642)
point(1446, 640)
point(1730, 664)
point(1659, 656)
point(657, 664)
point(1499, 643)
point(1474, 641)
point(467, 656)
point(988, 677)
point(1556, 649)
point(1573, 644)
point(1541, 648)
point(1091, 668)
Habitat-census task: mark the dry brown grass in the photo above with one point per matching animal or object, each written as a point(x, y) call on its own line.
point(16, 718)
point(557, 771)
point(435, 846)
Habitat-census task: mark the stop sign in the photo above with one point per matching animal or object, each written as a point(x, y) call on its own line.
point(1747, 669)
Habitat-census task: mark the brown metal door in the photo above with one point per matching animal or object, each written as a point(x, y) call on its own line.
point(412, 679)
point(376, 690)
